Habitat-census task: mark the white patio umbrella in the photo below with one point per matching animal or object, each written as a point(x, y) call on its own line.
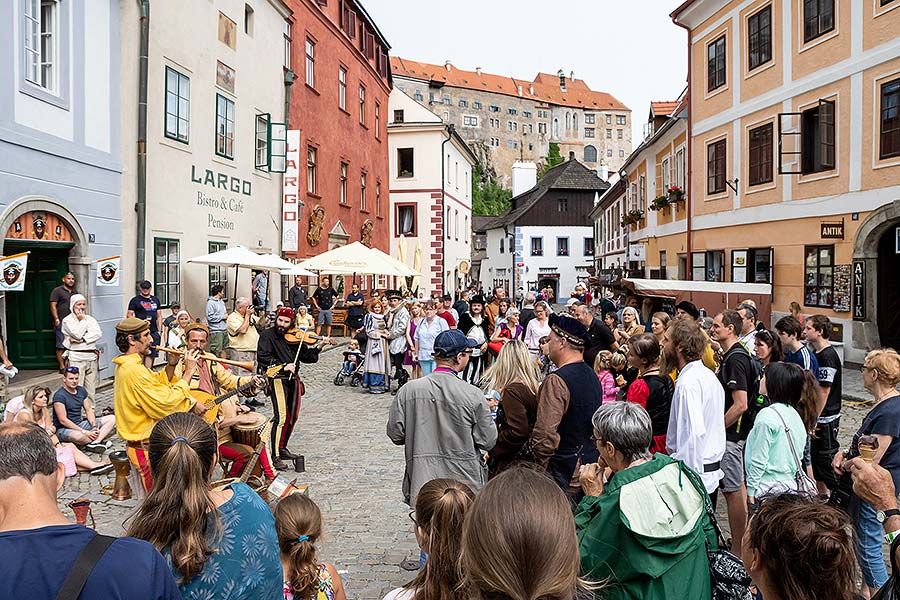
point(356, 258)
point(296, 269)
point(237, 257)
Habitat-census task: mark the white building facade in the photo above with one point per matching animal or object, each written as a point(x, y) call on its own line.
point(216, 81)
point(430, 195)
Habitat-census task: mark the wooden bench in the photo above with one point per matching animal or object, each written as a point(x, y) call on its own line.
point(338, 319)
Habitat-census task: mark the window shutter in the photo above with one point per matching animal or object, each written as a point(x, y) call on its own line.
point(370, 46)
point(826, 133)
point(351, 25)
point(789, 144)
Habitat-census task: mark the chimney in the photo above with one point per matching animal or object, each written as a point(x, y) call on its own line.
point(562, 80)
point(571, 155)
point(572, 75)
point(531, 89)
point(478, 70)
point(524, 177)
point(519, 88)
point(448, 66)
point(603, 171)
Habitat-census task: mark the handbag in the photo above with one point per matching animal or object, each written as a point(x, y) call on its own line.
point(805, 485)
point(66, 456)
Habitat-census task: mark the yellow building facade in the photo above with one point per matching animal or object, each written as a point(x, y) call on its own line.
point(794, 156)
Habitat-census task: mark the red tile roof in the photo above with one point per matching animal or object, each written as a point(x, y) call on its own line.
point(544, 88)
point(663, 109)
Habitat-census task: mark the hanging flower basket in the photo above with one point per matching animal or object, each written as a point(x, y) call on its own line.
point(632, 217)
point(676, 194)
point(659, 203)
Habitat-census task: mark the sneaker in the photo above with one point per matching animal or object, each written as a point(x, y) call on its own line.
point(9, 372)
point(102, 469)
point(98, 447)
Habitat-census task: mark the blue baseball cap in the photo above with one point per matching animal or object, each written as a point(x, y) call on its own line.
point(452, 342)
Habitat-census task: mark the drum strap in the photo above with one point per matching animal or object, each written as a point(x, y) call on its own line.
point(84, 565)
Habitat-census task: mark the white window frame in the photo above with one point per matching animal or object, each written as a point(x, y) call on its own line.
point(182, 86)
point(44, 72)
point(261, 145)
point(224, 127)
point(312, 159)
point(342, 88)
point(310, 47)
point(287, 44)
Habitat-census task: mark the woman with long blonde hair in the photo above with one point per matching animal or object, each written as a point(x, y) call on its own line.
point(204, 532)
point(515, 377)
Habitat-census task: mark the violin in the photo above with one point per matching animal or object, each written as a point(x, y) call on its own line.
point(296, 335)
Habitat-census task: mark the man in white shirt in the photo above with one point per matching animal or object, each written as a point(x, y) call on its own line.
point(696, 433)
point(747, 337)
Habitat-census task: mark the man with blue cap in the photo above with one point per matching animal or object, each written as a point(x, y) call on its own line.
point(444, 422)
point(567, 399)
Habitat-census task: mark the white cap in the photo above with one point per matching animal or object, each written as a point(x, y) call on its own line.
point(571, 301)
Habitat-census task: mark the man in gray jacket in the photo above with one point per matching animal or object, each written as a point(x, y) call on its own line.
point(398, 323)
point(444, 422)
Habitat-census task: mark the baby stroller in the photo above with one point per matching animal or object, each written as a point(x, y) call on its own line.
point(355, 374)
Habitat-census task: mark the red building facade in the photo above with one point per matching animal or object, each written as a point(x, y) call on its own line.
point(339, 102)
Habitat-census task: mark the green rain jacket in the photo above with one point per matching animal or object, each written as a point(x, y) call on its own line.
point(646, 535)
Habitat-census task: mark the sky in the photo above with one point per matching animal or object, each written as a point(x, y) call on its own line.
point(629, 48)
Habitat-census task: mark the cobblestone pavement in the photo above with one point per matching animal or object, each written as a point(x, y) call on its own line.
point(353, 471)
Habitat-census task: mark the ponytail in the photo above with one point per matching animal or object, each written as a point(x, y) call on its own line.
point(298, 523)
point(441, 507)
point(175, 514)
point(809, 400)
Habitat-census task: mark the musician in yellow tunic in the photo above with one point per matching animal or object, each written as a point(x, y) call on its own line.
point(210, 380)
point(143, 397)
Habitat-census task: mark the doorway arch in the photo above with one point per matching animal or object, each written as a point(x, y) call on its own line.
point(49, 259)
point(868, 244)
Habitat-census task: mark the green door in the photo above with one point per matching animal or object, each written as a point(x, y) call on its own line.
point(30, 341)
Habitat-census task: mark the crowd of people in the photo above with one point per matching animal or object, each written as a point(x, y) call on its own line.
point(551, 450)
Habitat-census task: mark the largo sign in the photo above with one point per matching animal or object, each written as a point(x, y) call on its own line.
point(222, 208)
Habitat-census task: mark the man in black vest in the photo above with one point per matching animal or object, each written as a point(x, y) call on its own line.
point(567, 400)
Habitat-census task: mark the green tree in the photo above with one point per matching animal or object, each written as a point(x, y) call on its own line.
point(489, 198)
point(553, 159)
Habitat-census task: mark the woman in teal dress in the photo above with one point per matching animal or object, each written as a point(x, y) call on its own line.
point(220, 543)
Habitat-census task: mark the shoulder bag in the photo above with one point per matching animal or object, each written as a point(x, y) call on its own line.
point(84, 565)
point(805, 485)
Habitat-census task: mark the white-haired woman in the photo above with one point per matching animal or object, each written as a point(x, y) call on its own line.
point(175, 338)
point(515, 377)
point(631, 325)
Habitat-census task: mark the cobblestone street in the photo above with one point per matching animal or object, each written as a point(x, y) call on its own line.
point(353, 472)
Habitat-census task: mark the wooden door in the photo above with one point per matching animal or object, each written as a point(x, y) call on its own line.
point(888, 289)
point(30, 341)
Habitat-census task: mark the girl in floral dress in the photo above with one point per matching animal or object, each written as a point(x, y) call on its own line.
point(298, 523)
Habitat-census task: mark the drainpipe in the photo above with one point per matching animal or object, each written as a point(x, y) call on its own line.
point(689, 271)
point(450, 130)
point(140, 206)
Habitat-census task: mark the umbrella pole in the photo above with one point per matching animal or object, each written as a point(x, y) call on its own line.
point(234, 297)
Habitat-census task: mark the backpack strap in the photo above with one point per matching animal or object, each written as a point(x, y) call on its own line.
point(84, 565)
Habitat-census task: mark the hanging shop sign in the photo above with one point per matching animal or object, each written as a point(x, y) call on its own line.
point(859, 290)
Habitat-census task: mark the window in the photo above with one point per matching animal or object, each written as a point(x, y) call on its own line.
point(470, 121)
point(715, 64)
point(707, 266)
point(512, 111)
point(530, 127)
point(665, 177)
point(751, 266)
point(542, 128)
point(41, 32)
point(463, 103)
point(362, 191)
point(621, 154)
point(715, 167)
point(588, 132)
point(555, 128)
point(398, 116)
point(590, 154)
point(761, 154)
point(818, 281)
point(362, 105)
point(619, 134)
point(620, 120)
point(446, 99)
point(818, 19)
point(588, 246)
point(890, 119)
point(455, 224)
point(418, 96)
point(262, 142)
point(562, 246)
point(526, 114)
point(310, 63)
point(512, 144)
point(609, 119)
point(502, 241)
point(378, 198)
point(817, 135)
point(680, 167)
point(178, 103)
point(476, 104)
point(248, 19)
point(759, 38)
point(218, 275)
point(609, 134)
point(287, 44)
point(311, 169)
point(343, 183)
point(589, 119)
point(562, 205)
point(224, 126)
point(377, 119)
point(342, 88)
point(405, 162)
point(406, 220)
point(494, 108)
point(167, 265)
point(609, 152)
point(537, 246)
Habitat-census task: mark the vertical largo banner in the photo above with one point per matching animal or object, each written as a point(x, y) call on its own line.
point(290, 207)
point(13, 268)
point(108, 271)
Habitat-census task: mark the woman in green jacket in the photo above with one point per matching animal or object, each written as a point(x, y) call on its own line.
point(645, 532)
